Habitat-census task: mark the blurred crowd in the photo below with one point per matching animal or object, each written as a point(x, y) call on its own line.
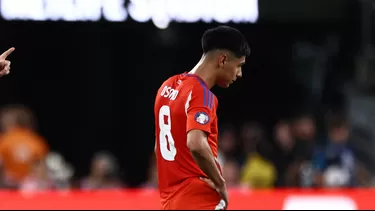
point(27, 164)
point(291, 154)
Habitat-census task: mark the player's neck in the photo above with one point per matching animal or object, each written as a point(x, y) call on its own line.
point(205, 71)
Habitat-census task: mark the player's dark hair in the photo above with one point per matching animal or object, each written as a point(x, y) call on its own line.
point(225, 38)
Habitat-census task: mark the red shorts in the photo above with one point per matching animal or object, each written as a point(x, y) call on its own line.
point(194, 194)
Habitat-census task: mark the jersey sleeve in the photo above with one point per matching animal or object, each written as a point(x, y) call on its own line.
point(199, 107)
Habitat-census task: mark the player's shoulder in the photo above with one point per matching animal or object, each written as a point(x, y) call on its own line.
point(194, 83)
point(186, 82)
point(192, 86)
point(200, 91)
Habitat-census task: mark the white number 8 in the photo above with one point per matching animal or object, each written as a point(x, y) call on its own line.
point(165, 136)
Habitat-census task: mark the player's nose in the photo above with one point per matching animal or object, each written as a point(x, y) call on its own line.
point(239, 74)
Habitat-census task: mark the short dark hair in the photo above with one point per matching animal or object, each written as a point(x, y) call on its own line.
point(225, 38)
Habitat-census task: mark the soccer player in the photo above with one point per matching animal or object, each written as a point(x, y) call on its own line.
point(5, 64)
point(189, 176)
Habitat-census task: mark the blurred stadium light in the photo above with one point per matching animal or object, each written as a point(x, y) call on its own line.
point(161, 12)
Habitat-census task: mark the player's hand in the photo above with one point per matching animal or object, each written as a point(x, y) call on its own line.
point(223, 204)
point(5, 64)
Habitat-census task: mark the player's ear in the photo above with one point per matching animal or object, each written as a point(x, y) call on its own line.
point(223, 58)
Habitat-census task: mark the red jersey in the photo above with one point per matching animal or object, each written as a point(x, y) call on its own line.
point(183, 103)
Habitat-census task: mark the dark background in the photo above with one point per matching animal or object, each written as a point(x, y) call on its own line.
point(92, 84)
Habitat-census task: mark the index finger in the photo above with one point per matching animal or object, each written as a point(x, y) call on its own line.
point(6, 53)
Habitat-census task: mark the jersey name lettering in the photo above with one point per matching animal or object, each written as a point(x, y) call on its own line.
point(169, 92)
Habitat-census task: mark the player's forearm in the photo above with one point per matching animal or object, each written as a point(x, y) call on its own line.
point(208, 165)
point(204, 158)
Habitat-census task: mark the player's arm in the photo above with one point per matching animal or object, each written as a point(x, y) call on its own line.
point(198, 144)
point(199, 118)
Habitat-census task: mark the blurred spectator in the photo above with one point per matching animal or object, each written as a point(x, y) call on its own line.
point(251, 134)
point(334, 164)
point(39, 178)
point(59, 170)
point(283, 136)
point(2, 178)
point(285, 146)
point(104, 173)
point(258, 171)
point(231, 173)
point(304, 131)
point(227, 144)
point(21, 148)
point(152, 180)
point(299, 172)
point(51, 173)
